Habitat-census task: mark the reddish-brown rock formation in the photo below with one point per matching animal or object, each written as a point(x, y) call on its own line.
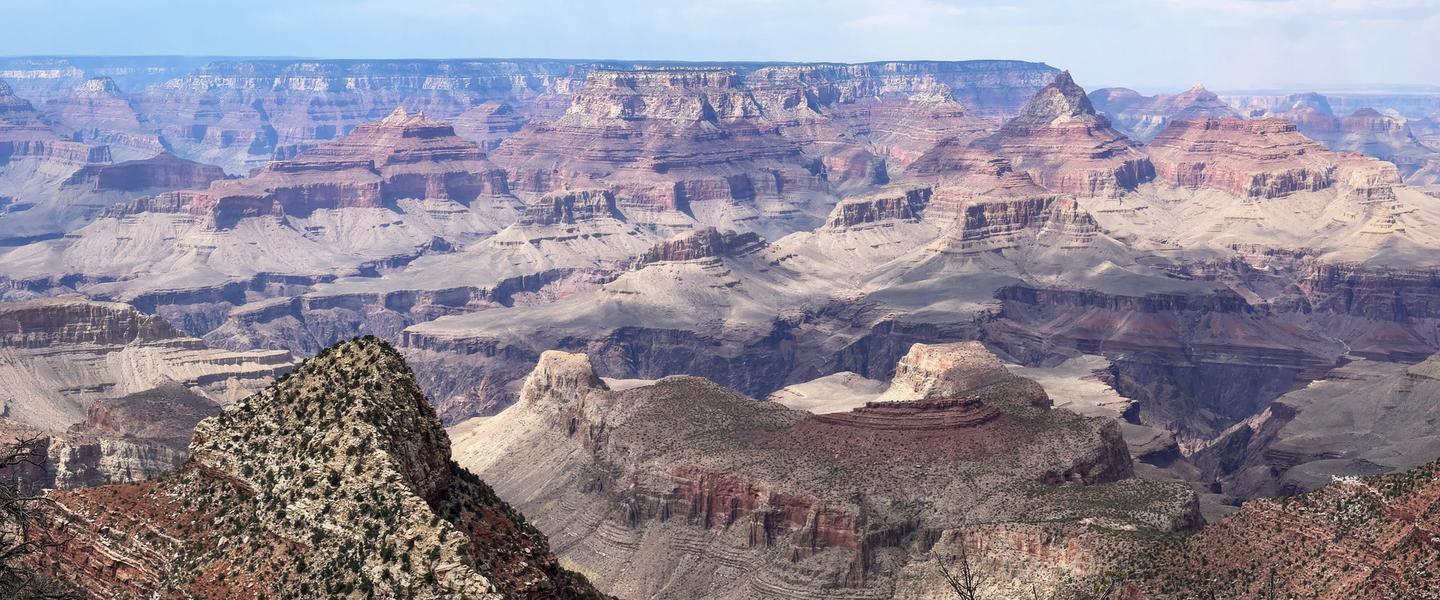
point(1063, 145)
point(1260, 158)
point(340, 475)
point(488, 124)
point(862, 211)
point(664, 140)
point(1372, 537)
point(98, 112)
point(24, 135)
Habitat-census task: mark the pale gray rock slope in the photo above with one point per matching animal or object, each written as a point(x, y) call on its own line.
point(695, 491)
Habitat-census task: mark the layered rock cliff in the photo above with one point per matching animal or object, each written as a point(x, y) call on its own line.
point(1060, 141)
point(115, 392)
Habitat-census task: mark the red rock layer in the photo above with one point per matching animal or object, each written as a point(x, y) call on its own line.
point(1259, 158)
point(98, 112)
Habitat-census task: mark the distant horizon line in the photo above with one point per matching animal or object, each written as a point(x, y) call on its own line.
point(1148, 88)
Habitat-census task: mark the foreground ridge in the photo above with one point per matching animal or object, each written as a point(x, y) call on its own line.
point(335, 481)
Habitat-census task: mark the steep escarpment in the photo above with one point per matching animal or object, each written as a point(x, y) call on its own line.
point(98, 112)
point(386, 194)
point(681, 476)
point(1259, 158)
point(670, 143)
point(1060, 141)
point(335, 480)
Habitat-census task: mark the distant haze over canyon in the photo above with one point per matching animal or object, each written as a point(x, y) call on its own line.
point(543, 328)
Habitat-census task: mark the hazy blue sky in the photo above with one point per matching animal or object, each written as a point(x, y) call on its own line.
point(1144, 43)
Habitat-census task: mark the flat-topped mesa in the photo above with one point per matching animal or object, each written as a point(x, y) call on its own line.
point(163, 171)
point(1249, 158)
point(1142, 117)
point(879, 209)
point(570, 207)
point(62, 321)
point(1063, 145)
point(700, 244)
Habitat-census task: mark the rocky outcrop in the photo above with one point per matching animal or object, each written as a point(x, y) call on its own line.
point(343, 471)
point(680, 475)
point(1143, 117)
point(163, 171)
point(1356, 537)
point(1060, 141)
point(858, 212)
point(701, 243)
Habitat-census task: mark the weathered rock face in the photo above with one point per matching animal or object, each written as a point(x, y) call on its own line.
point(1143, 117)
point(343, 472)
point(98, 112)
point(702, 243)
point(858, 212)
point(1063, 145)
point(489, 124)
point(1356, 537)
point(665, 141)
point(23, 134)
point(1260, 158)
point(63, 357)
point(681, 475)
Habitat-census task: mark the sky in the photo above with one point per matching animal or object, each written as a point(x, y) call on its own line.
point(1151, 45)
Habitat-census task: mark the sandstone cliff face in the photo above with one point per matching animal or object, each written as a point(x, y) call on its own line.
point(24, 135)
point(335, 480)
point(680, 477)
point(1061, 142)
